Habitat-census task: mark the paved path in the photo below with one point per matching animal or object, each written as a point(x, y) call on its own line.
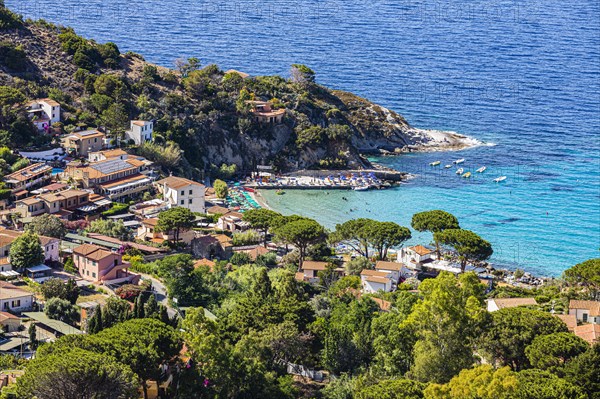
point(160, 292)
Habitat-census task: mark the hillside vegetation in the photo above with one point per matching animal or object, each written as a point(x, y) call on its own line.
point(199, 109)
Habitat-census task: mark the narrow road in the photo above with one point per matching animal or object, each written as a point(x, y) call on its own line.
point(160, 292)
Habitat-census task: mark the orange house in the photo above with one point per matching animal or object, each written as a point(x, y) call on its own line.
point(100, 265)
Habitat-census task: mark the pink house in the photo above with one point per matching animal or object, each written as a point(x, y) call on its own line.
point(101, 265)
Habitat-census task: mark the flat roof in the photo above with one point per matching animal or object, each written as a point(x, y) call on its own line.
point(38, 268)
point(77, 237)
point(56, 325)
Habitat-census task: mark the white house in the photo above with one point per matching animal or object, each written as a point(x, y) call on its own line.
point(14, 298)
point(373, 281)
point(185, 193)
point(391, 268)
point(43, 112)
point(140, 132)
point(495, 304)
point(415, 257)
point(51, 248)
point(585, 311)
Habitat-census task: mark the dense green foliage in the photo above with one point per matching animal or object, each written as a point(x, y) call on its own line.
point(26, 251)
point(512, 330)
point(175, 220)
point(47, 225)
point(111, 228)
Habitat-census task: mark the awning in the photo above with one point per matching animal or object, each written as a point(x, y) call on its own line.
point(88, 208)
point(38, 268)
point(127, 185)
point(9, 273)
point(103, 202)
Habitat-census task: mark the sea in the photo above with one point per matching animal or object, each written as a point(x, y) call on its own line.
point(523, 77)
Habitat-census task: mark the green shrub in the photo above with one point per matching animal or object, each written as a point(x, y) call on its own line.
point(246, 238)
point(117, 208)
point(8, 19)
point(13, 57)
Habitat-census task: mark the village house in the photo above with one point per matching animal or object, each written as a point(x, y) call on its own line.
point(495, 304)
point(373, 281)
point(148, 232)
point(100, 265)
point(103, 155)
point(185, 193)
point(50, 246)
point(232, 221)
point(309, 271)
point(569, 319)
point(253, 252)
point(585, 311)
point(217, 210)
point(588, 332)
point(212, 246)
point(415, 257)
point(14, 299)
point(62, 203)
point(140, 132)
point(9, 322)
point(82, 143)
point(398, 272)
point(263, 112)
point(115, 178)
point(43, 113)
point(21, 181)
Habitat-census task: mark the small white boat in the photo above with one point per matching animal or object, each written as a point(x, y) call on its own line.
point(436, 163)
point(460, 171)
point(447, 166)
point(459, 161)
point(481, 170)
point(467, 175)
point(499, 179)
point(360, 188)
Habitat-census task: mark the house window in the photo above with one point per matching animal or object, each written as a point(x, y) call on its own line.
point(585, 317)
point(182, 202)
point(87, 272)
point(182, 192)
point(190, 201)
point(16, 303)
point(190, 192)
point(5, 305)
point(93, 274)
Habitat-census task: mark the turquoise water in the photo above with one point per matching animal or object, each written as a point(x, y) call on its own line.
point(522, 75)
point(56, 171)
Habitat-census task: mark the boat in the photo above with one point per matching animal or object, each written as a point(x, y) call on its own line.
point(436, 163)
point(280, 192)
point(499, 179)
point(459, 161)
point(447, 166)
point(481, 170)
point(467, 175)
point(360, 188)
point(460, 171)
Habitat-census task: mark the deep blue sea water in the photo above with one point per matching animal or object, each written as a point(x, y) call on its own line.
point(524, 75)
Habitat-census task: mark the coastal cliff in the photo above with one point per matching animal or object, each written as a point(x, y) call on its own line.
point(202, 114)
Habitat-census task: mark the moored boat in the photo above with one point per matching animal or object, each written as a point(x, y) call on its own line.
point(460, 171)
point(447, 166)
point(459, 161)
point(467, 175)
point(360, 188)
point(500, 179)
point(482, 169)
point(436, 163)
